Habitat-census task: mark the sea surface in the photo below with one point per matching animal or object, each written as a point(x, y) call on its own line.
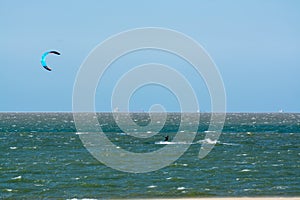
point(42, 157)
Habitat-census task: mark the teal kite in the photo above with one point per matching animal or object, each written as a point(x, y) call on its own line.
point(43, 59)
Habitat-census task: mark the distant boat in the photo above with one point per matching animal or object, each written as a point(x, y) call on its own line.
point(281, 111)
point(116, 109)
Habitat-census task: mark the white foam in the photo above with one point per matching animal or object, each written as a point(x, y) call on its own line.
point(81, 199)
point(81, 133)
point(16, 178)
point(230, 144)
point(207, 141)
point(209, 131)
point(181, 188)
point(280, 187)
point(166, 142)
point(245, 170)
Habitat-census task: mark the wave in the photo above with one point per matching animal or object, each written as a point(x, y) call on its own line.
point(167, 142)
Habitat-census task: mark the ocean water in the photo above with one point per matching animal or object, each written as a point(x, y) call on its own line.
point(42, 157)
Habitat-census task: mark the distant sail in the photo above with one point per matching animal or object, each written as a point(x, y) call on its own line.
point(281, 111)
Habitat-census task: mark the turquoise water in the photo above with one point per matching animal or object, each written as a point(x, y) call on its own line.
point(42, 157)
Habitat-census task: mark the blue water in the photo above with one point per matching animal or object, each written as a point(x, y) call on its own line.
point(42, 157)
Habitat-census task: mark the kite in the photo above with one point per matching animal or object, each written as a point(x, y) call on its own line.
point(43, 59)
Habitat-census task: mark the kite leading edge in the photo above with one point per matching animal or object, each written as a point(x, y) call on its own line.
point(43, 59)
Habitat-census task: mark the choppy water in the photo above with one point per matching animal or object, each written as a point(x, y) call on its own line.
point(42, 157)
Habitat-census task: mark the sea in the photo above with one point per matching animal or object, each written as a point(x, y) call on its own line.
point(43, 157)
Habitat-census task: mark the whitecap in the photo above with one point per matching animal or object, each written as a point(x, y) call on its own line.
point(276, 165)
point(166, 142)
point(13, 148)
point(16, 178)
point(280, 187)
point(81, 199)
point(230, 144)
point(152, 186)
point(209, 131)
point(207, 141)
point(81, 133)
point(245, 170)
point(181, 188)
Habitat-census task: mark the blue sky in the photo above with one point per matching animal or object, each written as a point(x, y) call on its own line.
point(255, 44)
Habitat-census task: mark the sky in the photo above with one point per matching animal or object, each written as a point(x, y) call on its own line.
point(255, 45)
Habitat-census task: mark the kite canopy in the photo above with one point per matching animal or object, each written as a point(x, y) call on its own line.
point(43, 59)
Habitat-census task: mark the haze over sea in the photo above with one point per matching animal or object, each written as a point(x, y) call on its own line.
point(43, 157)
